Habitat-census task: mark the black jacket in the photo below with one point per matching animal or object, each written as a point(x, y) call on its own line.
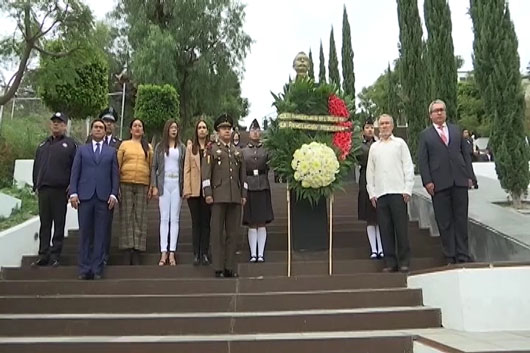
point(443, 165)
point(53, 162)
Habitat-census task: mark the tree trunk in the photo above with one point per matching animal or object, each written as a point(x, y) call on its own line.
point(517, 201)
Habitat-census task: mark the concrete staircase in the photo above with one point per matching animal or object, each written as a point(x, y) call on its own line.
point(148, 308)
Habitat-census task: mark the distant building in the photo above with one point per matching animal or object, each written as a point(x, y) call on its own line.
point(464, 76)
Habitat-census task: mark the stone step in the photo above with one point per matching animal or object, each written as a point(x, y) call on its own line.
point(202, 285)
point(275, 241)
point(219, 323)
point(147, 344)
point(360, 252)
point(306, 268)
point(216, 302)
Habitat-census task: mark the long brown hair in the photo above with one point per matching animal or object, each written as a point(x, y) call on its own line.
point(143, 141)
point(165, 135)
point(196, 146)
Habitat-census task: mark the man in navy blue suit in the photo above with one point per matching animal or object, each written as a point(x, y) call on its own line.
point(447, 174)
point(94, 186)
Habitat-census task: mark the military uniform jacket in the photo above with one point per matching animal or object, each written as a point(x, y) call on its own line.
point(256, 158)
point(224, 174)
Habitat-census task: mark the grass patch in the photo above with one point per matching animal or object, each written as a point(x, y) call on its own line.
point(29, 207)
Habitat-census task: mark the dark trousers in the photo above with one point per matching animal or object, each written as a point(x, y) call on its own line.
point(93, 218)
point(451, 209)
point(52, 210)
point(200, 225)
point(109, 234)
point(392, 218)
point(225, 217)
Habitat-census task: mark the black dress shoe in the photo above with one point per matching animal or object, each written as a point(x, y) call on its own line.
point(205, 260)
point(40, 262)
point(54, 263)
point(230, 274)
point(404, 269)
point(196, 260)
point(389, 269)
point(85, 277)
point(219, 274)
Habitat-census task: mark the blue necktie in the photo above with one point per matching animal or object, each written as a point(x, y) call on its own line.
point(98, 151)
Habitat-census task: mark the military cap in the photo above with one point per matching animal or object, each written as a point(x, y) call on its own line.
point(109, 114)
point(60, 116)
point(254, 125)
point(224, 120)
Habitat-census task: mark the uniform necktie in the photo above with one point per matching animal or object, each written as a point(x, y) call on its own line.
point(98, 151)
point(442, 134)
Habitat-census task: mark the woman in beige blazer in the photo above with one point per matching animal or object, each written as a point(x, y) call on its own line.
point(199, 209)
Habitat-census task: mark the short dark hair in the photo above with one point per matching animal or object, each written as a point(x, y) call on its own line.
point(98, 120)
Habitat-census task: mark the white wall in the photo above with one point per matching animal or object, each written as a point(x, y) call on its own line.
point(23, 174)
point(481, 299)
point(19, 240)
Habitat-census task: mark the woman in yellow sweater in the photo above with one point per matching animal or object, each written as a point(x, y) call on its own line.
point(134, 157)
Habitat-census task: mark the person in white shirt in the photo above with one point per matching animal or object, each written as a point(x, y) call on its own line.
point(389, 182)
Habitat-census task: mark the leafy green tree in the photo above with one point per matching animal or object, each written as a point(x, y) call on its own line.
point(412, 71)
point(197, 46)
point(471, 113)
point(37, 22)
point(322, 66)
point(441, 60)
point(383, 96)
point(155, 105)
point(76, 84)
point(311, 72)
point(348, 74)
point(496, 63)
point(334, 75)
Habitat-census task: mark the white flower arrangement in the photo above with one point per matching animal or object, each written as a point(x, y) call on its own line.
point(315, 165)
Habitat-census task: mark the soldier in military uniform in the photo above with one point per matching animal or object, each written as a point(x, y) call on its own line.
point(109, 117)
point(258, 210)
point(225, 188)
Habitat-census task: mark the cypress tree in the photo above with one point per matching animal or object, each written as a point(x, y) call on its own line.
point(496, 62)
point(311, 72)
point(441, 61)
point(412, 71)
point(392, 95)
point(348, 75)
point(334, 75)
point(322, 66)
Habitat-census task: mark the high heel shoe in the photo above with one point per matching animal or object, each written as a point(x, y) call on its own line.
point(172, 259)
point(163, 259)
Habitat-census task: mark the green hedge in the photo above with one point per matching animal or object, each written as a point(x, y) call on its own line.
point(155, 105)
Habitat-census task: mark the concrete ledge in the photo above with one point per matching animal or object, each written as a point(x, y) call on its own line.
point(20, 240)
point(478, 299)
point(496, 233)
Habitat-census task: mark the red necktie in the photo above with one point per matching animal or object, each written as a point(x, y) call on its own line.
point(442, 134)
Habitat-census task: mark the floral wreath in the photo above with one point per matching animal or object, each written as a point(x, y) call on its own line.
point(313, 140)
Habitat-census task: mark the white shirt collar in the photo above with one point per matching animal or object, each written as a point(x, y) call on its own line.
point(100, 144)
point(443, 126)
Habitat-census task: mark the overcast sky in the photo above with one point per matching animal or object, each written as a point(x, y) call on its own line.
point(282, 28)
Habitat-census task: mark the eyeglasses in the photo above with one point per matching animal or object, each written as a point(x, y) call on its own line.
point(439, 110)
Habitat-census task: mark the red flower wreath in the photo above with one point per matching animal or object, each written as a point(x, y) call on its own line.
point(342, 139)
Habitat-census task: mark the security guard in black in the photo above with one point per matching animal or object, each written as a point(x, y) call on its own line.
point(51, 175)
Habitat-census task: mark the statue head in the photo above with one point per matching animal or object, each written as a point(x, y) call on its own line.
point(301, 64)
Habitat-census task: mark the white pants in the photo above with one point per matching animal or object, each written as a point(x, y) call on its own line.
point(169, 204)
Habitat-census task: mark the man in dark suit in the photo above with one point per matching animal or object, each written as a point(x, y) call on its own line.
point(93, 188)
point(447, 174)
point(109, 117)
